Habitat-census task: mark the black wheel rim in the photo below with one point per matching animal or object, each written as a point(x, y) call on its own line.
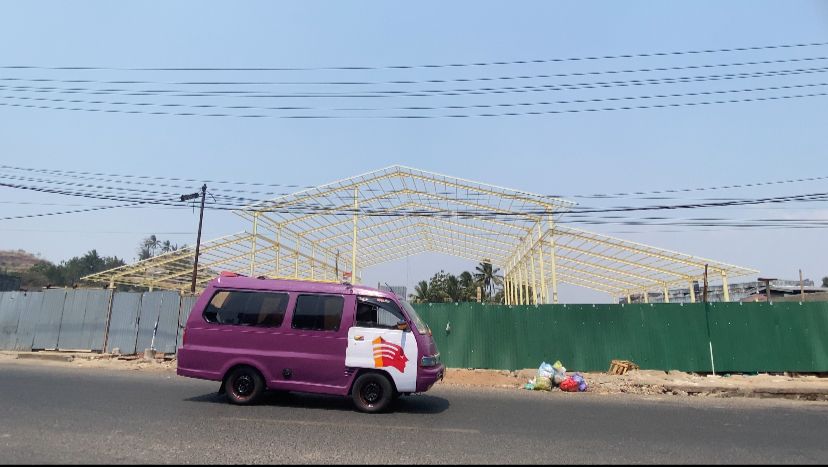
point(371, 393)
point(243, 386)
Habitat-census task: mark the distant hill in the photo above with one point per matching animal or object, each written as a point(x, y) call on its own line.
point(17, 261)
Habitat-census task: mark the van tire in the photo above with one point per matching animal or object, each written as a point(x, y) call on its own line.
point(372, 393)
point(244, 386)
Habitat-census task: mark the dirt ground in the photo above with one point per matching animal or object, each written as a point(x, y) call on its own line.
point(643, 382)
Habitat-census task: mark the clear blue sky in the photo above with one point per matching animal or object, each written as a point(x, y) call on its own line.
point(567, 154)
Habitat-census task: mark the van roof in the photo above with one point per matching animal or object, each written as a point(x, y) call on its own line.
point(290, 285)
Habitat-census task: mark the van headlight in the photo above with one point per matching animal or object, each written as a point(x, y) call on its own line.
point(430, 361)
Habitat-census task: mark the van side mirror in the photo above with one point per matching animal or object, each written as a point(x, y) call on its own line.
point(402, 326)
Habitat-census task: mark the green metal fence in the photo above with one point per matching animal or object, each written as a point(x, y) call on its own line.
point(746, 337)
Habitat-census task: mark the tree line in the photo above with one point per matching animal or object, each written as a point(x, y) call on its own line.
point(69, 273)
point(446, 287)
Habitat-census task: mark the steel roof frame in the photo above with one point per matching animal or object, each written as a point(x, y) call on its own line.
point(351, 224)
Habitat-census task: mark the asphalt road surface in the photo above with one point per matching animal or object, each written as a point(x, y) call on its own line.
point(53, 414)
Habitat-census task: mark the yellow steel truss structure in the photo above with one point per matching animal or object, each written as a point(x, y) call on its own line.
point(336, 231)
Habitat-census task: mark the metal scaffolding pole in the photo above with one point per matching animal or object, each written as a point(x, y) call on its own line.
point(534, 281)
point(725, 287)
point(354, 242)
point(544, 292)
point(278, 251)
point(520, 285)
point(253, 244)
point(526, 282)
point(552, 259)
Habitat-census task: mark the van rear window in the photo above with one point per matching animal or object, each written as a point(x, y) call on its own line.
point(318, 312)
point(265, 309)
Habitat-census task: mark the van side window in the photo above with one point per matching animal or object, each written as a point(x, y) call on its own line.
point(263, 309)
point(318, 312)
point(377, 313)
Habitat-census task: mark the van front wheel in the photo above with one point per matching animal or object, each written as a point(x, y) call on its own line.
point(244, 386)
point(372, 393)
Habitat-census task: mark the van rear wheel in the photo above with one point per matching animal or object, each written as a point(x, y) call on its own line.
point(372, 393)
point(244, 386)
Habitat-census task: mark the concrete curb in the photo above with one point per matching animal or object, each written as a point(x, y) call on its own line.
point(47, 357)
point(815, 394)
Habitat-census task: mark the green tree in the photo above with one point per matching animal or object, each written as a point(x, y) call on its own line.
point(68, 273)
point(167, 247)
point(421, 291)
point(825, 281)
point(467, 286)
point(487, 277)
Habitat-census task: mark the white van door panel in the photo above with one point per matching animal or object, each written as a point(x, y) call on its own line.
point(391, 350)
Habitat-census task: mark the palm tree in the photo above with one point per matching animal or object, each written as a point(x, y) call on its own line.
point(421, 292)
point(487, 276)
point(152, 243)
point(167, 247)
point(453, 290)
point(467, 285)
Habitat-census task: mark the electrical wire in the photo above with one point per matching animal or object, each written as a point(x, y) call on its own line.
point(248, 94)
point(436, 81)
point(113, 177)
point(412, 117)
point(448, 65)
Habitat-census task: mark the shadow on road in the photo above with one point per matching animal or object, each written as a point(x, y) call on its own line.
point(415, 404)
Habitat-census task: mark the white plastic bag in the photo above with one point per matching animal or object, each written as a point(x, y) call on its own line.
point(546, 370)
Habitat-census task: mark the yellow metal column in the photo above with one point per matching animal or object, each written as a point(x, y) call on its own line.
point(520, 285)
point(296, 255)
point(646, 296)
point(629, 298)
point(552, 260)
point(354, 243)
point(253, 244)
point(544, 292)
point(506, 297)
point(534, 281)
point(526, 283)
point(666, 295)
point(692, 293)
point(313, 260)
point(725, 287)
point(278, 250)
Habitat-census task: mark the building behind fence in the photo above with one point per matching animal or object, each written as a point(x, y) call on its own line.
point(746, 337)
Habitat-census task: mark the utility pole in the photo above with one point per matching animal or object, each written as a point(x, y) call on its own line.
point(706, 266)
point(203, 195)
point(767, 282)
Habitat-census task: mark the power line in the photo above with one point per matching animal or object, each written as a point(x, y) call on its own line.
point(248, 94)
point(406, 67)
point(112, 177)
point(429, 108)
point(152, 177)
point(405, 117)
point(466, 213)
point(74, 211)
point(435, 81)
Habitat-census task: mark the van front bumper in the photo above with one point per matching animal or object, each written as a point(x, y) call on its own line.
point(426, 377)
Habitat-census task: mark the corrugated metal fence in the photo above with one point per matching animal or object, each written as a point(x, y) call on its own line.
point(746, 337)
point(90, 319)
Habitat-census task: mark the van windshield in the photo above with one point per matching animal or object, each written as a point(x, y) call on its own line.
point(422, 327)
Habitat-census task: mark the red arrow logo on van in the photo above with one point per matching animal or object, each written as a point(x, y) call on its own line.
point(387, 354)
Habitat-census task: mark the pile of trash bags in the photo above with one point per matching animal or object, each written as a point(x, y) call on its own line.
point(554, 376)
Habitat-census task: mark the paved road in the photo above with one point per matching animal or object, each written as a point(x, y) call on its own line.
point(71, 415)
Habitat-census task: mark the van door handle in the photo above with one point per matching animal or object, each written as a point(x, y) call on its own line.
point(359, 338)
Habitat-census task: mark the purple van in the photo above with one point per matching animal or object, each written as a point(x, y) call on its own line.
point(289, 335)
